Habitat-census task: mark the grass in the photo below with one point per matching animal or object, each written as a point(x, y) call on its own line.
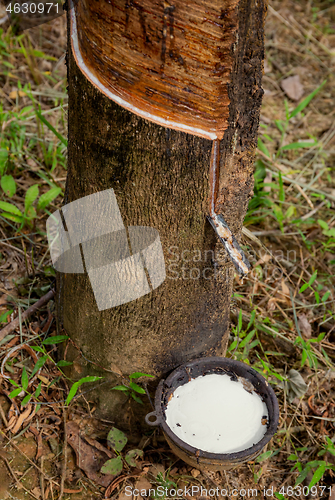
point(283, 314)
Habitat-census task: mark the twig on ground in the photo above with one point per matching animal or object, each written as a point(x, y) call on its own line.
point(313, 212)
point(18, 482)
point(15, 323)
point(42, 479)
point(64, 456)
point(27, 458)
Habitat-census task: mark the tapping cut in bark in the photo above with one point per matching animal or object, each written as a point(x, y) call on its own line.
point(167, 62)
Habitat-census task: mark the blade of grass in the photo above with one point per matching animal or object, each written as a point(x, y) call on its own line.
point(50, 127)
point(306, 101)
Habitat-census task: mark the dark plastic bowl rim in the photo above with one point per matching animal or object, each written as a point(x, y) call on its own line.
point(239, 455)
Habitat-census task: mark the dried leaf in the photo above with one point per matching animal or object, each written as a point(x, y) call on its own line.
point(89, 458)
point(195, 473)
point(295, 385)
point(21, 419)
point(115, 369)
point(264, 258)
point(143, 484)
point(14, 94)
point(285, 288)
point(37, 492)
point(11, 422)
point(272, 304)
point(38, 436)
point(77, 366)
point(304, 326)
point(293, 87)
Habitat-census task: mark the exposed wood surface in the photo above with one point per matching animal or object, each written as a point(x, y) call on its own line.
point(170, 59)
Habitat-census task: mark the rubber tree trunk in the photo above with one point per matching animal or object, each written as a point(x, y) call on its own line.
point(161, 179)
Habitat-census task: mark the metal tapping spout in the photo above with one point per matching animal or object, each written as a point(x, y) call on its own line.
point(217, 221)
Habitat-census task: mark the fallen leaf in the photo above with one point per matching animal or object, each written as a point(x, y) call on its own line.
point(43, 379)
point(77, 366)
point(38, 436)
point(11, 422)
point(90, 456)
point(285, 288)
point(37, 492)
point(332, 494)
point(115, 369)
point(305, 326)
point(266, 257)
point(3, 299)
point(14, 94)
point(295, 385)
point(272, 304)
point(122, 496)
point(195, 473)
point(156, 469)
point(292, 87)
point(143, 484)
point(22, 418)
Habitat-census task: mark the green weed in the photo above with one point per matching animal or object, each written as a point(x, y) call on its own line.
point(262, 203)
point(117, 440)
point(132, 389)
point(166, 485)
point(318, 467)
point(26, 377)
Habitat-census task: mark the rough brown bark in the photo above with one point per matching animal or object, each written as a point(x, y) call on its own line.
point(160, 178)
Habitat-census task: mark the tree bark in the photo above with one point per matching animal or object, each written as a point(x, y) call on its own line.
point(161, 179)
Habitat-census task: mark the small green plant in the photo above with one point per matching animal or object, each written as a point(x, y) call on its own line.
point(26, 377)
point(76, 385)
point(117, 440)
point(266, 369)
point(12, 212)
point(307, 352)
point(132, 389)
point(261, 205)
point(325, 228)
point(318, 466)
point(4, 316)
point(243, 343)
point(166, 485)
point(278, 212)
